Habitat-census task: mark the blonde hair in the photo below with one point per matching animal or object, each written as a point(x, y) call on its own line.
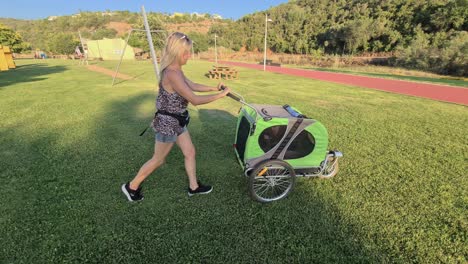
point(172, 51)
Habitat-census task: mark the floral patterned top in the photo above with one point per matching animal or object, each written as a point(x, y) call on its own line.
point(172, 103)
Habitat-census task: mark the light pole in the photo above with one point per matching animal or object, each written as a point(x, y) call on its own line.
point(264, 50)
point(216, 52)
point(193, 42)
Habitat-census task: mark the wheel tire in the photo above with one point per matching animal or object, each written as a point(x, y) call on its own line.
point(271, 180)
point(331, 169)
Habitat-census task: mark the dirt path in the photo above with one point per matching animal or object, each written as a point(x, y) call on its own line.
point(451, 94)
point(109, 72)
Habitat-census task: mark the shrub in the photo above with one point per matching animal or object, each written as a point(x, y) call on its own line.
point(453, 58)
point(62, 43)
point(443, 57)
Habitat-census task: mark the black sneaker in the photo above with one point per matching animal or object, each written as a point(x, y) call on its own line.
point(202, 189)
point(132, 195)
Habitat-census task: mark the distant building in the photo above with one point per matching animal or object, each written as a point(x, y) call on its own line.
point(195, 14)
point(52, 18)
point(216, 16)
point(107, 14)
point(177, 15)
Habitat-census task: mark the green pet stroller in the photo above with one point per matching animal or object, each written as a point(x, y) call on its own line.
point(274, 144)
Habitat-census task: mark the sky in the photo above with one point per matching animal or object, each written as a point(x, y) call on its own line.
point(38, 9)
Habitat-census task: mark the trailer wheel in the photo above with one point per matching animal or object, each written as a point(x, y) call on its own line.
point(271, 180)
point(331, 169)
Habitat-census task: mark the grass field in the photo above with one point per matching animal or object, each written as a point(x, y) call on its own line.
point(68, 140)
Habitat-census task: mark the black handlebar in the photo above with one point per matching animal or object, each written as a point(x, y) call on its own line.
point(234, 97)
point(230, 94)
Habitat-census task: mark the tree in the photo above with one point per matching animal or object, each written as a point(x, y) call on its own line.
point(417, 54)
point(138, 39)
point(10, 38)
point(200, 41)
point(62, 43)
point(453, 58)
point(357, 34)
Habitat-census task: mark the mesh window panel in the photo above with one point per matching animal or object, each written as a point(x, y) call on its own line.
point(242, 135)
point(301, 146)
point(270, 137)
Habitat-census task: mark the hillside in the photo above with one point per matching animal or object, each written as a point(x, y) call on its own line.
point(120, 27)
point(94, 25)
point(14, 24)
point(199, 27)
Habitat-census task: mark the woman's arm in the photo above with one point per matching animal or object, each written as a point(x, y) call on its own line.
point(200, 87)
point(179, 84)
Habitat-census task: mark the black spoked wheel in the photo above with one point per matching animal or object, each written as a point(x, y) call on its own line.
point(271, 180)
point(331, 169)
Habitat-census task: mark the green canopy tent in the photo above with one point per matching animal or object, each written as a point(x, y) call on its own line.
point(109, 49)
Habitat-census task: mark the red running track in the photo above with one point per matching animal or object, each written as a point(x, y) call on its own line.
point(443, 93)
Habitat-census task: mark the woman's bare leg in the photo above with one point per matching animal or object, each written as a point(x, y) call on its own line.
point(161, 150)
point(185, 144)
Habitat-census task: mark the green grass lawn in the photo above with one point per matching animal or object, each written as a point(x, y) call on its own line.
point(68, 140)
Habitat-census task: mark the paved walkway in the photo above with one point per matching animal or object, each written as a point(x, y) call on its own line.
point(451, 94)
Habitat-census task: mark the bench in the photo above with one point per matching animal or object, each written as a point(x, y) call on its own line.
point(270, 63)
point(230, 74)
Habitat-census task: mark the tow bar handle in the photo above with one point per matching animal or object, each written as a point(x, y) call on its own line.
point(233, 96)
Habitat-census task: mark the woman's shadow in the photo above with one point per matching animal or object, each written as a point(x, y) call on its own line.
point(313, 223)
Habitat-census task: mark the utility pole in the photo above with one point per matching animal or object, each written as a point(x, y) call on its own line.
point(264, 50)
point(216, 52)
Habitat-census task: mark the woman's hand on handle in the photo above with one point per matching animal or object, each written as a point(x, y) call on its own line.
point(225, 90)
point(220, 86)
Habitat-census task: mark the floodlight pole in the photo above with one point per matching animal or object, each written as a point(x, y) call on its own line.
point(264, 50)
point(216, 52)
point(193, 57)
point(150, 42)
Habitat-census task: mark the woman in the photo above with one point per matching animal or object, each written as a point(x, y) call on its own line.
point(169, 123)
